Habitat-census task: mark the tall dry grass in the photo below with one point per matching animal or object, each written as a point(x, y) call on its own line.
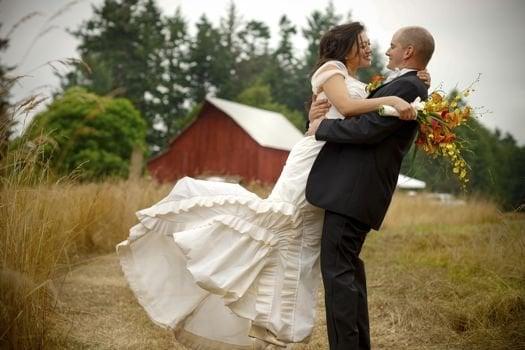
point(454, 275)
point(48, 224)
point(48, 228)
point(423, 210)
point(449, 275)
point(443, 277)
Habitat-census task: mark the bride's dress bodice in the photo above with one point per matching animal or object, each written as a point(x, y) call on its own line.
point(290, 186)
point(356, 89)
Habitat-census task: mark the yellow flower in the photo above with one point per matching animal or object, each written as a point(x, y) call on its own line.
point(436, 97)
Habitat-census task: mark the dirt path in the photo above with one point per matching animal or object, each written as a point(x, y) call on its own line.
point(97, 310)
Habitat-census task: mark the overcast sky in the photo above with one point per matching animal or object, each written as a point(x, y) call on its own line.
point(483, 36)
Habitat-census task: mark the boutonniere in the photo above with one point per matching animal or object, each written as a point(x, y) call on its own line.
point(375, 82)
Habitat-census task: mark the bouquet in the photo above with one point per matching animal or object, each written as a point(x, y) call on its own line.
point(439, 117)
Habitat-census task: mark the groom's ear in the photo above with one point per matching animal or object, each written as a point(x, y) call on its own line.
point(409, 52)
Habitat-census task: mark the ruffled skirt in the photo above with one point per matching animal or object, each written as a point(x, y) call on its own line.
point(216, 263)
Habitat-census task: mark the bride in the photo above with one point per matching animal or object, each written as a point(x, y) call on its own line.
point(225, 269)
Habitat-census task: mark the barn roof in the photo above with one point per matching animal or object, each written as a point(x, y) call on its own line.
point(268, 129)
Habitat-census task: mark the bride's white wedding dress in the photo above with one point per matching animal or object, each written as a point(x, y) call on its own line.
point(215, 263)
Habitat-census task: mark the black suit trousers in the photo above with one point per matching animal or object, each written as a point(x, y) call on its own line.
point(344, 282)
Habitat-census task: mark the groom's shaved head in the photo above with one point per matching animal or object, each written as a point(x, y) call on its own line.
point(420, 39)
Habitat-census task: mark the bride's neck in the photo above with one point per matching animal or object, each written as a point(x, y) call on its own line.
point(352, 70)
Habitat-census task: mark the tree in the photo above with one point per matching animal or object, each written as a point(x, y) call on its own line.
point(173, 93)
point(219, 56)
point(254, 55)
point(284, 54)
point(259, 95)
point(6, 118)
point(284, 75)
point(254, 39)
point(204, 52)
point(317, 24)
point(226, 70)
point(123, 44)
point(214, 55)
point(90, 134)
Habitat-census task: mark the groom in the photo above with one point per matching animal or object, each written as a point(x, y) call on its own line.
point(353, 179)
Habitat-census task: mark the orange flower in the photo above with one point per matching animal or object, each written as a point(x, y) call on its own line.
point(377, 79)
point(375, 82)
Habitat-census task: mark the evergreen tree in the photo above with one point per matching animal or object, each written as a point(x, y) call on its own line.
point(254, 55)
point(229, 55)
point(173, 94)
point(205, 51)
point(284, 75)
point(254, 39)
point(123, 43)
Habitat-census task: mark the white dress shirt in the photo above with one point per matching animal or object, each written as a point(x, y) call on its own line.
point(397, 73)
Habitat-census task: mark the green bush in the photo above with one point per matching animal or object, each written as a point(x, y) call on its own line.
point(89, 134)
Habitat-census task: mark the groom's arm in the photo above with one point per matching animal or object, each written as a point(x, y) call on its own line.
point(368, 128)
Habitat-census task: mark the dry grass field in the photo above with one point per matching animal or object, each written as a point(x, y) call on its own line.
point(439, 276)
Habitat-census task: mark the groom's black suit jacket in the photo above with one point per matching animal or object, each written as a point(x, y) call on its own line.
point(356, 171)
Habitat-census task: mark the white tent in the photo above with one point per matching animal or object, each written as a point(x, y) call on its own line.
point(408, 183)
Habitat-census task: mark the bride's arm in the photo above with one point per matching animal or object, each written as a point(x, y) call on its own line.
point(337, 93)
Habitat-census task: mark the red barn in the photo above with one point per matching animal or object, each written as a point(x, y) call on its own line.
point(231, 139)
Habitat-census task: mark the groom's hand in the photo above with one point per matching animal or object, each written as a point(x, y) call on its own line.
point(424, 75)
point(318, 109)
point(314, 125)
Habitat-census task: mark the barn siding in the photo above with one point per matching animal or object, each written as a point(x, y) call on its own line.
point(215, 144)
point(271, 162)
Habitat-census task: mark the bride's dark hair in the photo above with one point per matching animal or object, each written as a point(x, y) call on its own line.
point(336, 43)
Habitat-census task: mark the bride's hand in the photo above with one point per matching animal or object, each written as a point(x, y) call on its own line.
point(318, 109)
point(405, 109)
point(424, 75)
